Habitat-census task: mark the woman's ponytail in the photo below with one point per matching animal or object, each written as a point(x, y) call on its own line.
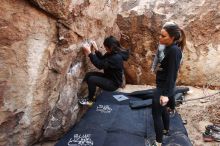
point(175, 31)
point(182, 41)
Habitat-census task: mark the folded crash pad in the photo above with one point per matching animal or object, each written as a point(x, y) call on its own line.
point(149, 93)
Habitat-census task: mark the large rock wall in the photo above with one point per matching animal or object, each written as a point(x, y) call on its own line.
point(42, 66)
point(140, 22)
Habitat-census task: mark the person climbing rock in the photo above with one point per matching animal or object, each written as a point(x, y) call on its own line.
point(112, 64)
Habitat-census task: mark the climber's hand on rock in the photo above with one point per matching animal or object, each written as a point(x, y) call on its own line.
point(86, 48)
point(94, 45)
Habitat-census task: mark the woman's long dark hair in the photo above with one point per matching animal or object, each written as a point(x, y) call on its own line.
point(112, 43)
point(179, 36)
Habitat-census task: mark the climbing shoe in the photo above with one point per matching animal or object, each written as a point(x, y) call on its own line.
point(85, 101)
point(211, 135)
point(213, 127)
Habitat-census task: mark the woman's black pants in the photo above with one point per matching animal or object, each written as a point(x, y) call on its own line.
point(98, 79)
point(160, 114)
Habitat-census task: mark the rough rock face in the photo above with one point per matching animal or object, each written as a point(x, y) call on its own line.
point(140, 22)
point(42, 66)
point(57, 8)
point(27, 40)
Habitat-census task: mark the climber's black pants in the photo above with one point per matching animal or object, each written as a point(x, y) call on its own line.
point(98, 79)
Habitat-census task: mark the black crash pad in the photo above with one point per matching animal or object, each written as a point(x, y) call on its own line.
point(112, 123)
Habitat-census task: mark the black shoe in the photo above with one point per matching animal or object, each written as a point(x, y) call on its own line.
point(213, 127)
point(211, 135)
point(166, 132)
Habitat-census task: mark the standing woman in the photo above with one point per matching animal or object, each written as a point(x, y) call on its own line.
point(173, 38)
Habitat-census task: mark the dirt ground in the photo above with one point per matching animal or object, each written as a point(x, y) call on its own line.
point(197, 113)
